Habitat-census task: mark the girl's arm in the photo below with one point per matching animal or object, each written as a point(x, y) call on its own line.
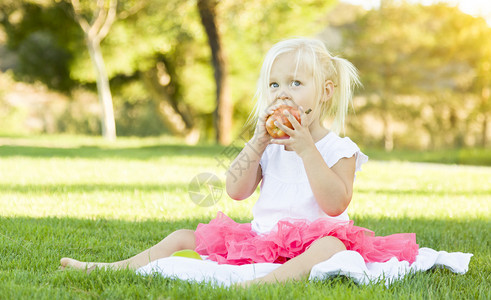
point(244, 174)
point(332, 187)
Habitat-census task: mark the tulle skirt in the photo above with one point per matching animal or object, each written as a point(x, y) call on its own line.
point(228, 242)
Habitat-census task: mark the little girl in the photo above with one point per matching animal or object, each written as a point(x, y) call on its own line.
point(300, 218)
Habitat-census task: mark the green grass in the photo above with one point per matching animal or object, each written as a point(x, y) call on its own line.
point(465, 156)
point(88, 199)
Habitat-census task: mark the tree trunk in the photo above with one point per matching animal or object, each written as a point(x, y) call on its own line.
point(223, 111)
point(95, 32)
point(484, 139)
point(485, 95)
point(179, 122)
point(103, 90)
point(386, 106)
point(388, 133)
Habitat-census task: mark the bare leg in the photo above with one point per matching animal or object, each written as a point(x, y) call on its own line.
point(178, 240)
point(299, 267)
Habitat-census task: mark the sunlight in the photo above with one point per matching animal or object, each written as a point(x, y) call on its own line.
point(477, 8)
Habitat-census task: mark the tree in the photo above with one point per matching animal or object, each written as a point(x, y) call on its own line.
point(165, 52)
point(37, 52)
point(165, 87)
point(158, 53)
point(479, 56)
point(95, 31)
point(418, 65)
point(223, 112)
point(390, 64)
point(250, 28)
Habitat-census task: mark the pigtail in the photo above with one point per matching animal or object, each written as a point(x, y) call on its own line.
point(324, 66)
point(346, 79)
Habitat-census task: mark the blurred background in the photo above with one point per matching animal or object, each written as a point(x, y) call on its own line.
point(188, 68)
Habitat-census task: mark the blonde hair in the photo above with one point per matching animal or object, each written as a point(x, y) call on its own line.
point(313, 54)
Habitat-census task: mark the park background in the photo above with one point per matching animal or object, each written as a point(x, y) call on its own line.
point(77, 182)
point(425, 69)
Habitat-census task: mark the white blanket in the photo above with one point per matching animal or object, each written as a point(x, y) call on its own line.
point(347, 263)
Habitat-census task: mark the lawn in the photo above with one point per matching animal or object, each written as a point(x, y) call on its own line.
point(84, 198)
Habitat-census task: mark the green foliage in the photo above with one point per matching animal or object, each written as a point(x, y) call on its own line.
point(44, 51)
point(146, 30)
point(139, 119)
point(425, 69)
point(250, 28)
point(418, 64)
point(12, 118)
point(49, 65)
point(77, 118)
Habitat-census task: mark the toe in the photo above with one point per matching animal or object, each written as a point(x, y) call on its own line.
point(64, 261)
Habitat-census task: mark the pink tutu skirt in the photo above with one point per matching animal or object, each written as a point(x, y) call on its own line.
point(228, 242)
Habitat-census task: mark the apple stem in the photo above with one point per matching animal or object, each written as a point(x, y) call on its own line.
point(308, 111)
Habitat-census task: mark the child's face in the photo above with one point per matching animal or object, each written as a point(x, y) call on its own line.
point(288, 82)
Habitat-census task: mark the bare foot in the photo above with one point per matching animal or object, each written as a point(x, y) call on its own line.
point(66, 262)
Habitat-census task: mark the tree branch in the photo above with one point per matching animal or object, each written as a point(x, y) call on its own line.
point(110, 18)
point(78, 16)
point(133, 10)
point(100, 16)
point(98, 12)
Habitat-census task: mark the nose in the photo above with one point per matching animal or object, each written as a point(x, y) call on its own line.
point(283, 95)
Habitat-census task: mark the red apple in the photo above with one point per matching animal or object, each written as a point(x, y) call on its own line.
point(278, 115)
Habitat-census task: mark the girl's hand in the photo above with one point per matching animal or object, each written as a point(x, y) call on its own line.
point(300, 140)
point(261, 135)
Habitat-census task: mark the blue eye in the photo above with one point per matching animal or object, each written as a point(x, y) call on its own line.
point(296, 83)
point(274, 85)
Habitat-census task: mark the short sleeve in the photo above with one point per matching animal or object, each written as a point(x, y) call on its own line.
point(344, 148)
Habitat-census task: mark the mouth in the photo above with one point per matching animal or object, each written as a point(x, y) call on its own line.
point(289, 102)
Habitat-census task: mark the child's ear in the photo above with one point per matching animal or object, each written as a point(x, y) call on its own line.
point(328, 90)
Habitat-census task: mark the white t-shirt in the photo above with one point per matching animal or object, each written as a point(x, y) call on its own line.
point(285, 189)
